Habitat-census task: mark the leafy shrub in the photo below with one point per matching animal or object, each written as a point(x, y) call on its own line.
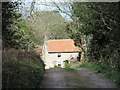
point(21, 69)
point(66, 62)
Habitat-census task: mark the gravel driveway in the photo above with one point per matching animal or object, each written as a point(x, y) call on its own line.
point(80, 78)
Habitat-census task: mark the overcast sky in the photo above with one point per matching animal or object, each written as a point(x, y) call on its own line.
point(40, 7)
point(68, 0)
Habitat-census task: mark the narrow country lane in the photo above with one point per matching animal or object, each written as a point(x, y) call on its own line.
point(80, 78)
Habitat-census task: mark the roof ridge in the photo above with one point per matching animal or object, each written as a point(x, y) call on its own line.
point(58, 39)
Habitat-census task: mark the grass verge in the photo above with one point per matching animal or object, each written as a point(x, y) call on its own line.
point(68, 68)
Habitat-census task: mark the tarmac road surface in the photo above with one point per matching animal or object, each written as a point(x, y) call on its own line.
point(80, 78)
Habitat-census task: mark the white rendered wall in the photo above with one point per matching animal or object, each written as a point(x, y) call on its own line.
point(54, 59)
point(45, 57)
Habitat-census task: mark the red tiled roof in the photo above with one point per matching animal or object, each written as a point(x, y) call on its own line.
point(62, 45)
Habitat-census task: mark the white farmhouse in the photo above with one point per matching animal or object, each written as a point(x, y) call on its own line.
point(55, 52)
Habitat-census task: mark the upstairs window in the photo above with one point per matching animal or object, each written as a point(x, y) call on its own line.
point(59, 55)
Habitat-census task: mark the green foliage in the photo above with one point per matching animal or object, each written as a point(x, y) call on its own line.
point(22, 36)
point(16, 33)
point(66, 64)
point(95, 30)
point(8, 16)
point(21, 69)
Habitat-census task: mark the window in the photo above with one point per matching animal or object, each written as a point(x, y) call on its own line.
point(59, 65)
point(59, 55)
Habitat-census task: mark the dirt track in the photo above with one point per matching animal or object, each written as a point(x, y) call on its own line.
point(80, 78)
